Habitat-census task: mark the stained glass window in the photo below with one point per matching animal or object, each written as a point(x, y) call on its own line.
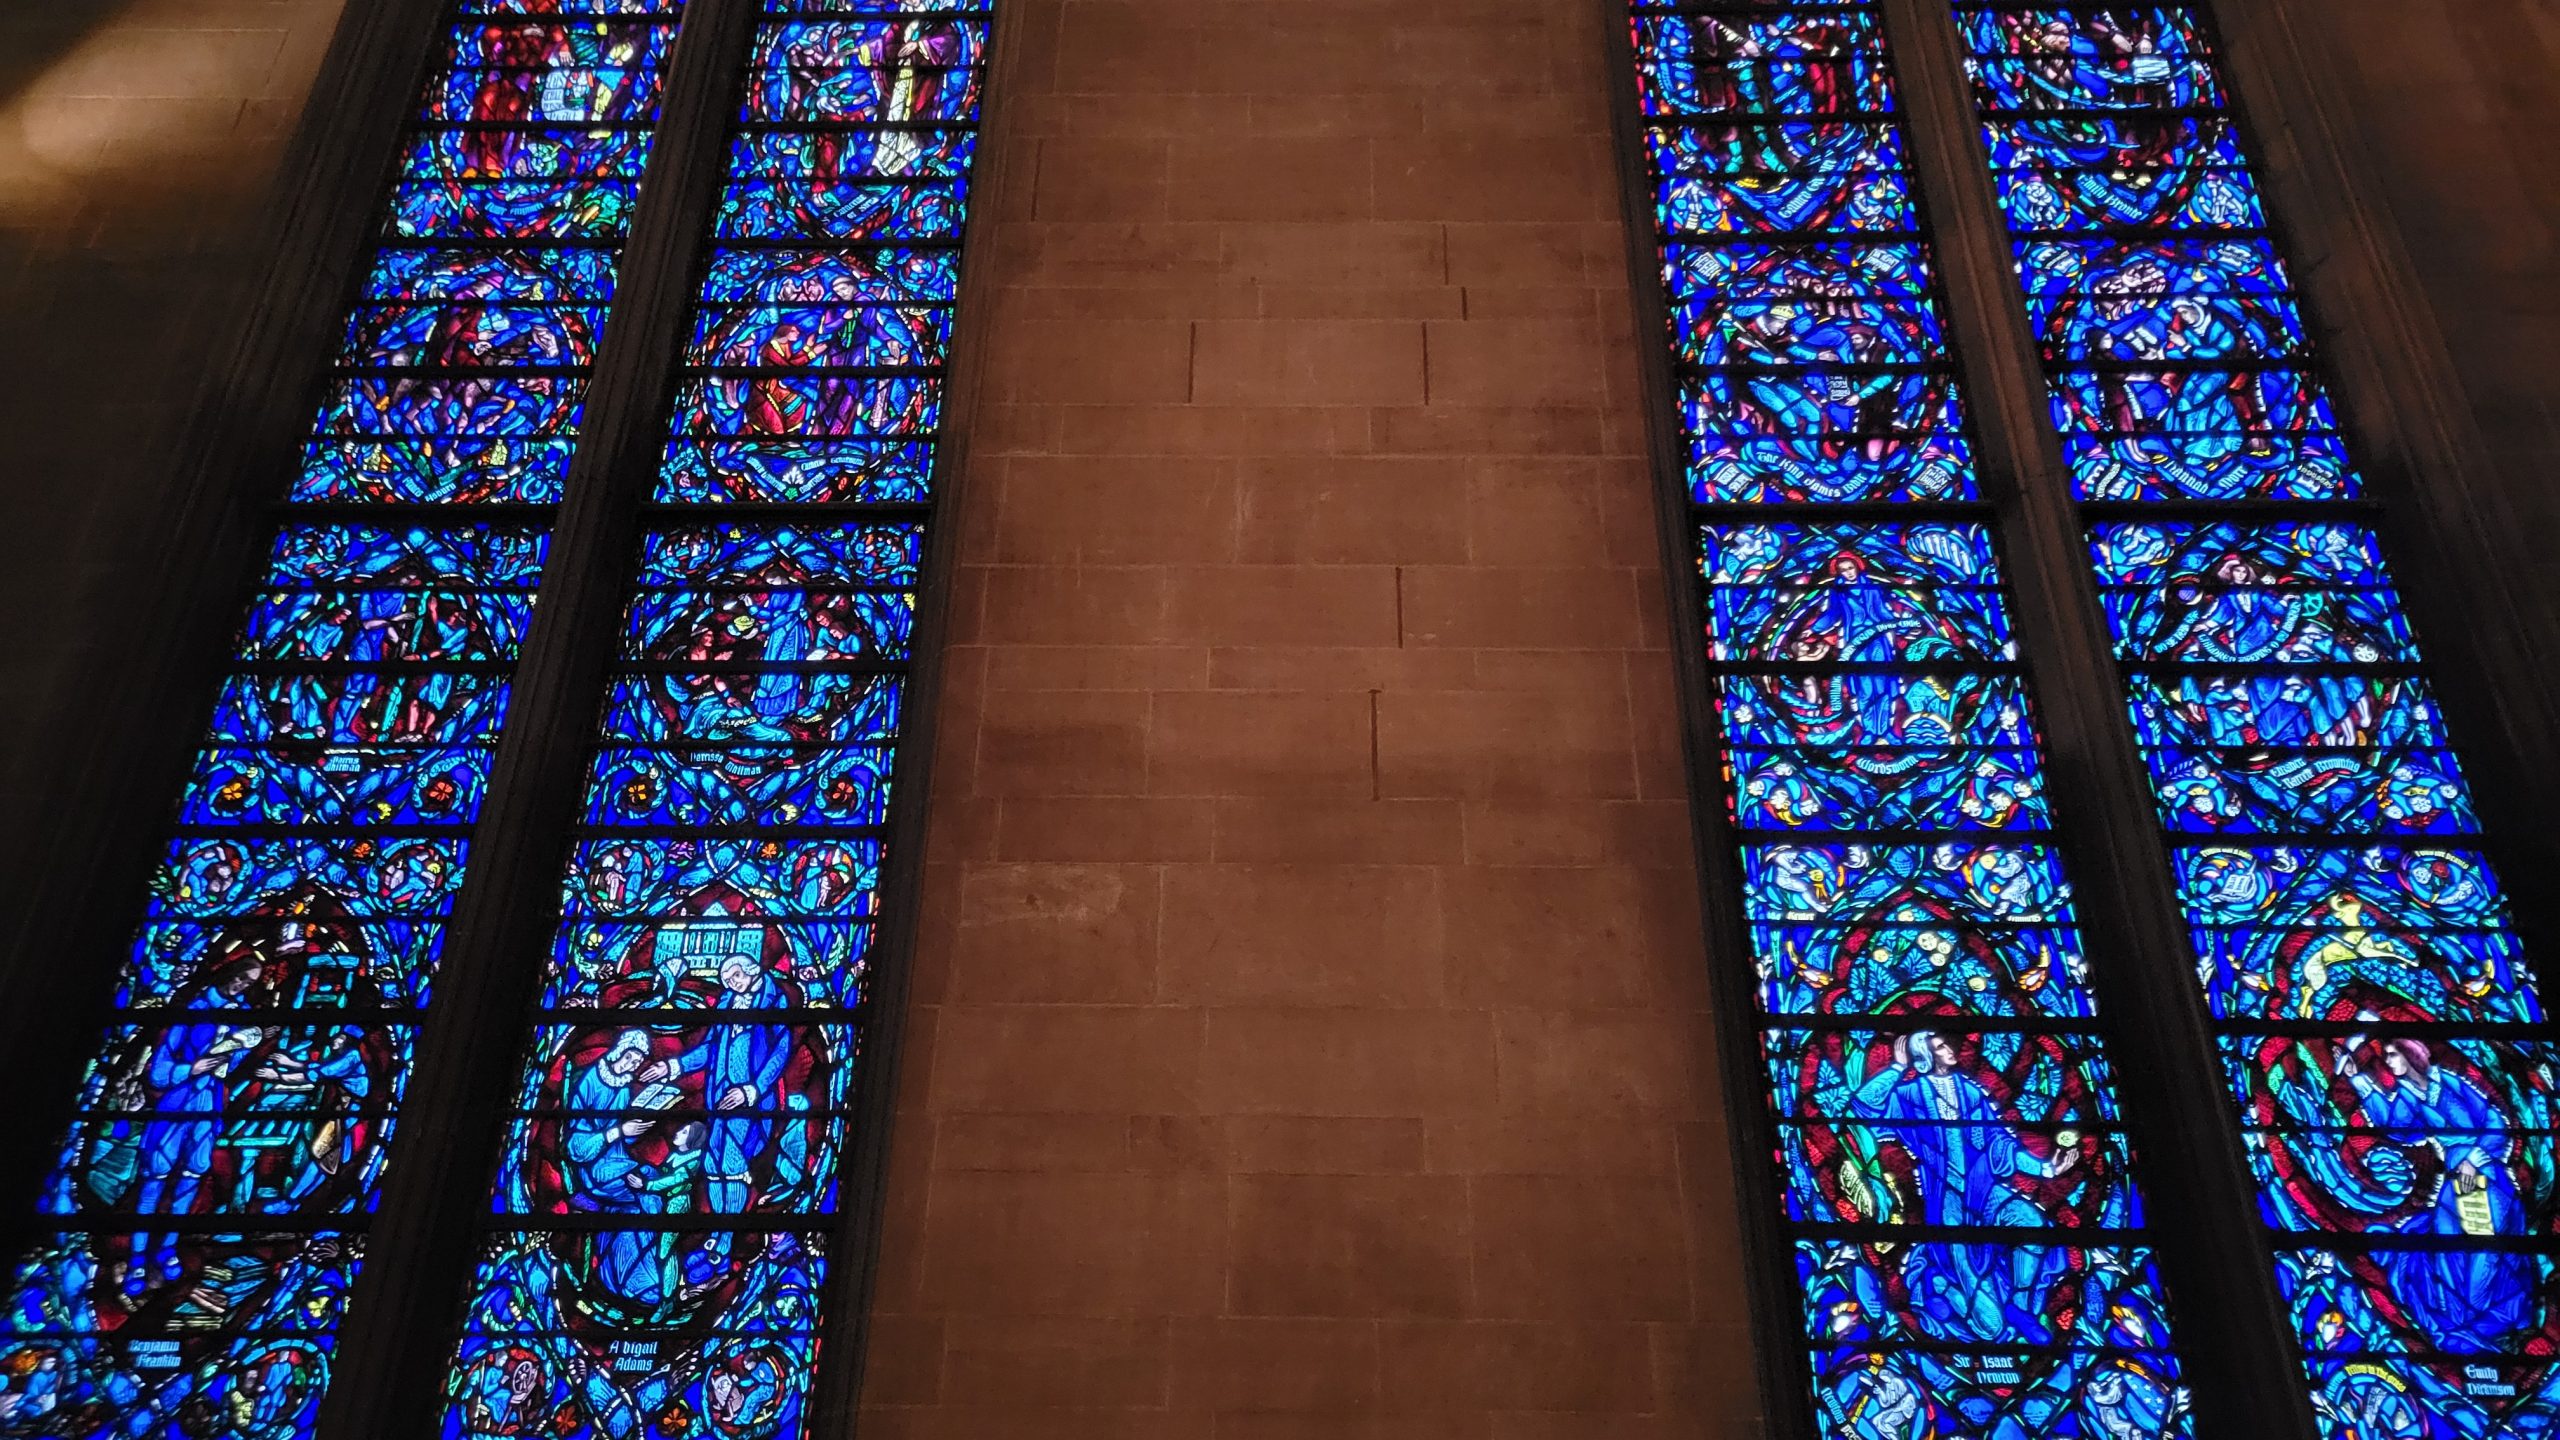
point(658, 1253)
point(2351, 939)
point(1968, 1236)
point(210, 1202)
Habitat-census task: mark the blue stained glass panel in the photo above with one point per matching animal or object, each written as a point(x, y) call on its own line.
point(2241, 403)
point(2043, 1294)
point(548, 43)
point(818, 879)
point(794, 472)
point(819, 337)
point(2323, 933)
point(747, 626)
point(850, 211)
point(1912, 593)
point(526, 276)
point(740, 785)
point(832, 155)
point(1874, 751)
point(760, 555)
point(679, 963)
point(219, 878)
point(2172, 302)
point(212, 1119)
point(112, 1333)
point(2487, 1302)
point(335, 785)
point(1886, 966)
point(2198, 466)
point(1969, 1395)
point(518, 409)
point(605, 91)
point(1942, 929)
point(773, 706)
point(888, 276)
point(1813, 62)
point(1896, 423)
point(2124, 57)
point(1802, 307)
point(1748, 469)
point(416, 624)
point(2234, 593)
point(564, 157)
point(709, 1118)
point(607, 1334)
point(473, 335)
point(2088, 173)
point(1946, 1075)
point(304, 956)
point(1946, 1172)
point(908, 407)
point(2321, 793)
point(460, 206)
point(360, 709)
point(2385, 1182)
point(1775, 177)
point(570, 7)
point(455, 470)
point(866, 70)
point(1846, 556)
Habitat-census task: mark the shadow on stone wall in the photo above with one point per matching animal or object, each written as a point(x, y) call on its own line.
point(138, 140)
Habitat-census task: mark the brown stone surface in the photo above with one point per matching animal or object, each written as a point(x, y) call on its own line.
point(1310, 1032)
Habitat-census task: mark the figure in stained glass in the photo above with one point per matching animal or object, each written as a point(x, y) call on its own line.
point(2413, 1139)
point(2173, 302)
point(719, 1116)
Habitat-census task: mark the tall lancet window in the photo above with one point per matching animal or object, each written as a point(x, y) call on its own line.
point(1966, 1228)
point(667, 1188)
point(238, 1121)
point(667, 1184)
point(2379, 1033)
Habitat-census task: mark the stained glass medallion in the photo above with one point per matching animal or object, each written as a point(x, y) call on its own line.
point(2352, 940)
point(1965, 1206)
point(656, 1253)
point(208, 1207)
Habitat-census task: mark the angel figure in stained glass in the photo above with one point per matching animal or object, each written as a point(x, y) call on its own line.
point(1877, 1402)
point(2370, 1403)
point(743, 1072)
point(746, 1391)
point(2132, 1406)
point(504, 1395)
point(2462, 1300)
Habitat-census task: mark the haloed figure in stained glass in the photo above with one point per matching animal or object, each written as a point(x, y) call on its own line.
point(2413, 1138)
